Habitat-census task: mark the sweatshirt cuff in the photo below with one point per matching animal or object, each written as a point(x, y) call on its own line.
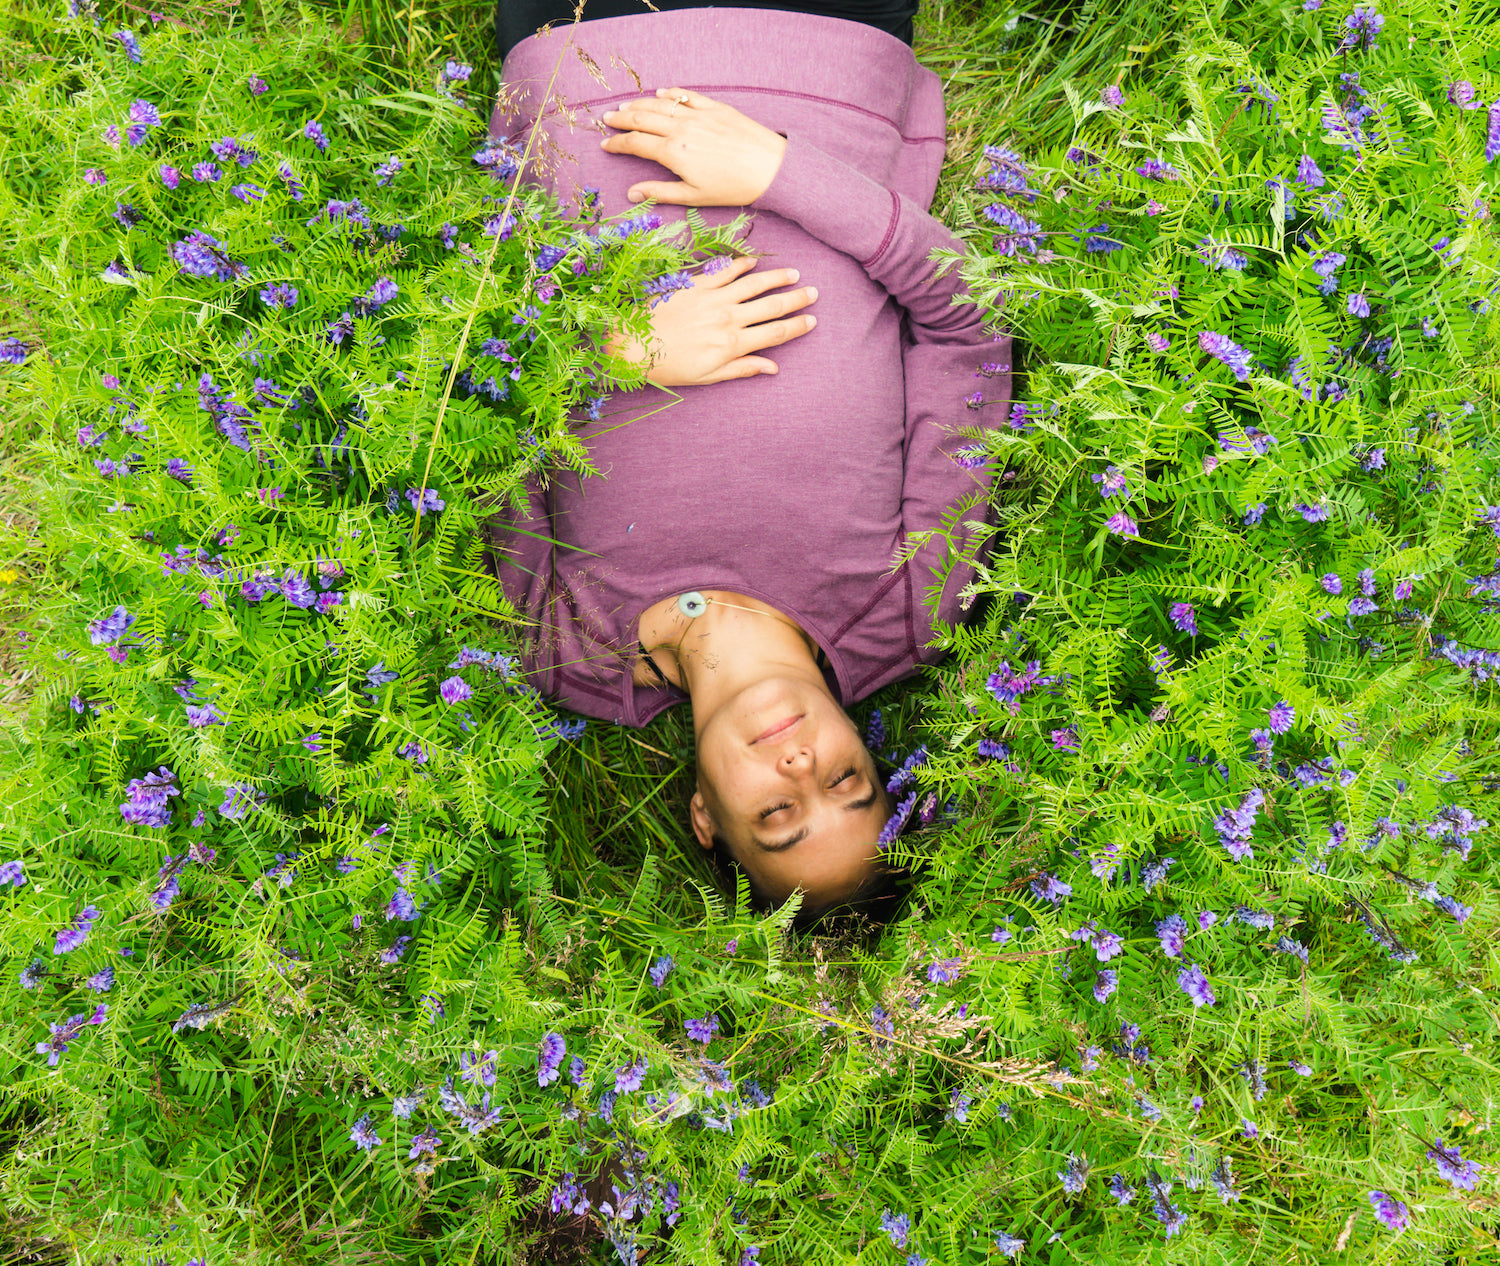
point(836, 203)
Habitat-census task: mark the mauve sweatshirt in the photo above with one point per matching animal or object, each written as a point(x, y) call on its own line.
point(797, 488)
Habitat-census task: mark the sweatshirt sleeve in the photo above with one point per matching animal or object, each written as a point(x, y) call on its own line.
point(958, 378)
point(889, 234)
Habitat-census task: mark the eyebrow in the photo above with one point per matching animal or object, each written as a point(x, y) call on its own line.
point(854, 806)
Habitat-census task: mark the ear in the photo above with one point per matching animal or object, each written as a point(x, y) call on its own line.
point(703, 825)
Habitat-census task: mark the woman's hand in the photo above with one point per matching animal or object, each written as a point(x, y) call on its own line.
point(705, 334)
point(721, 157)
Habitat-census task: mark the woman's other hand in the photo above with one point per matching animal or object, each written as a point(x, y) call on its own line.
point(707, 332)
point(722, 158)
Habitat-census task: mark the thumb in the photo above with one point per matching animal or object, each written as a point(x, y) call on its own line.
point(750, 366)
point(677, 194)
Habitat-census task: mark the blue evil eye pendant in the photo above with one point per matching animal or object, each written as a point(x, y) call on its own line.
point(692, 604)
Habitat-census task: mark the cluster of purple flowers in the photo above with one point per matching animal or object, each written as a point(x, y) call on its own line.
point(146, 804)
point(1106, 944)
point(67, 1032)
point(1234, 825)
point(77, 932)
point(1020, 233)
point(200, 255)
point(1389, 1212)
point(1221, 347)
point(1220, 256)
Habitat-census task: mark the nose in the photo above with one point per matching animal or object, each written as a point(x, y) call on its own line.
point(797, 760)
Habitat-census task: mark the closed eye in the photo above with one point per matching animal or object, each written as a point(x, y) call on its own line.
point(842, 778)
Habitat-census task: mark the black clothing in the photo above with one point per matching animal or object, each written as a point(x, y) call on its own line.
point(515, 20)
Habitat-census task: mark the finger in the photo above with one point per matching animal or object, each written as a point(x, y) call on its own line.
point(744, 367)
point(736, 267)
point(750, 286)
point(676, 193)
point(695, 100)
point(774, 333)
point(753, 312)
point(642, 116)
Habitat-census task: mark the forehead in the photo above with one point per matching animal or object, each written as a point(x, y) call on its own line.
point(829, 864)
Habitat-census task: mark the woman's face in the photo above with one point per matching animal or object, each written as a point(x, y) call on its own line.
point(785, 780)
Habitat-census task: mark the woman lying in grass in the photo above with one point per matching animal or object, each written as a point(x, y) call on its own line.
point(742, 547)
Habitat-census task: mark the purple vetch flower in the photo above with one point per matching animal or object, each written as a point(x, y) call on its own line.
point(1194, 983)
point(1009, 1244)
point(425, 500)
point(130, 44)
point(393, 952)
point(1358, 305)
point(363, 1134)
point(1065, 740)
point(1363, 25)
point(1389, 1212)
point(313, 132)
point(1254, 514)
point(426, 1141)
point(257, 85)
point(1310, 174)
point(1222, 348)
point(147, 799)
point(1281, 716)
point(1152, 169)
point(1183, 617)
point(455, 690)
point(1234, 825)
point(179, 470)
point(897, 821)
point(1106, 981)
point(401, 906)
point(1122, 524)
point(1172, 932)
point(659, 971)
point(296, 589)
point(200, 255)
point(403, 1106)
point(1492, 133)
point(1074, 1177)
point(1157, 342)
point(110, 628)
point(1048, 887)
point(202, 718)
point(703, 1030)
point(1112, 481)
point(631, 1076)
point(1362, 606)
point(13, 873)
point(239, 799)
point(1301, 1069)
point(1331, 583)
point(67, 1032)
point(76, 932)
point(1221, 256)
point(549, 1058)
point(1452, 1166)
point(386, 172)
point(101, 981)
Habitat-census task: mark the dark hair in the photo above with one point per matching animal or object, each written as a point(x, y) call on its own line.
point(875, 902)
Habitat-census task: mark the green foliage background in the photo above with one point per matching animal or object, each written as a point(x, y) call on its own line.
point(949, 1069)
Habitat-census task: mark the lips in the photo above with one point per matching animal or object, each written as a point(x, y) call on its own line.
point(777, 730)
